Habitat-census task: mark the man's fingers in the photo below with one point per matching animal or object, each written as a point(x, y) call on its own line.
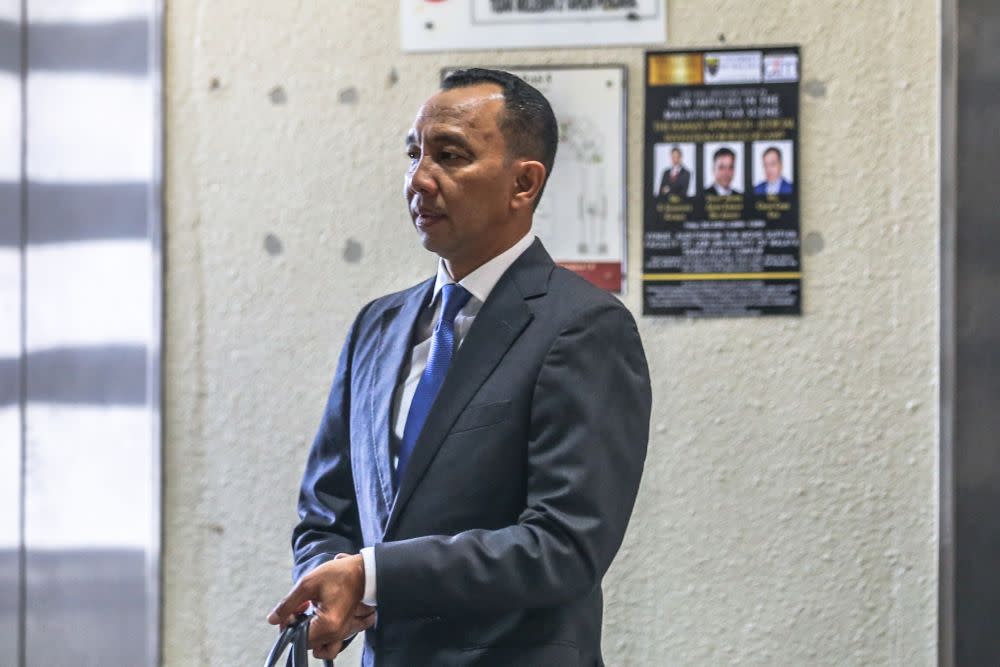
point(356, 624)
point(298, 598)
point(324, 630)
point(291, 618)
point(363, 611)
point(327, 651)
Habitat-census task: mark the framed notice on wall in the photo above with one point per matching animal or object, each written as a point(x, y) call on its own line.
point(581, 218)
point(722, 186)
point(448, 25)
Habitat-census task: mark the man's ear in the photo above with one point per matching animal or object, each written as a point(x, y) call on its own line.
point(528, 184)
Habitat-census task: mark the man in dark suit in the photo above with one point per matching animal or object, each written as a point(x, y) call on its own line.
point(774, 183)
point(485, 433)
point(723, 171)
point(677, 178)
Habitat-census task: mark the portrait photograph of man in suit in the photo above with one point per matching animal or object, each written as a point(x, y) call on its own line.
point(676, 177)
point(724, 169)
point(773, 175)
point(485, 432)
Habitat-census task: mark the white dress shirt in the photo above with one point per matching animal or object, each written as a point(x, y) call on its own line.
point(479, 284)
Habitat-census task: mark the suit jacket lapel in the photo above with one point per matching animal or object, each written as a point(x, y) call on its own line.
point(392, 354)
point(500, 321)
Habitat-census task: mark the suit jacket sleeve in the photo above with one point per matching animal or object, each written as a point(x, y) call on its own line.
point(328, 513)
point(587, 444)
point(683, 181)
point(664, 181)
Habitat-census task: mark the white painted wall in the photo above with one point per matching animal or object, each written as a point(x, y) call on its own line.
point(788, 511)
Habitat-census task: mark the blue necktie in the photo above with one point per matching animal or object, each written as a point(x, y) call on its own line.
point(454, 297)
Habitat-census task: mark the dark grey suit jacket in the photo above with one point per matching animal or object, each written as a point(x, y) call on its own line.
point(679, 186)
point(519, 488)
point(713, 189)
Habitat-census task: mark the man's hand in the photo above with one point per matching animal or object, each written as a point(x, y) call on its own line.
point(362, 618)
point(335, 589)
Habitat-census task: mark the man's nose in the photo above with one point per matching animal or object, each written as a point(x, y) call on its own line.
point(421, 179)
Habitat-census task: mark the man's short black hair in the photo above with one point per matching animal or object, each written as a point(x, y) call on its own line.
point(529, 127)
point(772, 149)
point(723, 152)
point(673, 150)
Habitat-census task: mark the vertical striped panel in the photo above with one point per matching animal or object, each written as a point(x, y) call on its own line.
point(11, 573)
point(89, 363)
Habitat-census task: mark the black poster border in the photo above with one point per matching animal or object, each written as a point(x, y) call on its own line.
point(708, 294)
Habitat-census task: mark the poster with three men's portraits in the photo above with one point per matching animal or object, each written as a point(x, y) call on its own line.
point(721, 218)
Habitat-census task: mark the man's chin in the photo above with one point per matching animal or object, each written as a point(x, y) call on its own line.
point(430, 242)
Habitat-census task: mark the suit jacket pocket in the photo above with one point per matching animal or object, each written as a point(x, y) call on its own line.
point(482, 415)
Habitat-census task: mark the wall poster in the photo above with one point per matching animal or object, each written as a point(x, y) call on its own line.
point(721, 219)
point(581, 218)
point(447, 25)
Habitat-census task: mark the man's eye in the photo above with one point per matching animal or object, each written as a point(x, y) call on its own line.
point(412, 154)
point(448, 156)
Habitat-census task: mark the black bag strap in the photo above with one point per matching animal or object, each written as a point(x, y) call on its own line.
point(295, 636)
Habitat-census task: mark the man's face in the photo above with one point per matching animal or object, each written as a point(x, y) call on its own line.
point(459, 183)
point(772, 167)
point(675, 157)
point(723, 171)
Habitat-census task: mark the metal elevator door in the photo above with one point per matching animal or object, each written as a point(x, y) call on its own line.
point(80, 331)
point(969, 583)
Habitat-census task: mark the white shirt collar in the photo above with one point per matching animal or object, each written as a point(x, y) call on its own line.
point(481, 282)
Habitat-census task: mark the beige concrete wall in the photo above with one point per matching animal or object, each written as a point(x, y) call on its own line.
point(788, 511)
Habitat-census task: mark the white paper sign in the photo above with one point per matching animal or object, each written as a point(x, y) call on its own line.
point(439, 25)
point(581, 218)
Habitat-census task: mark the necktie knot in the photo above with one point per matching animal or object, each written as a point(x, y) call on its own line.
point(454, 298)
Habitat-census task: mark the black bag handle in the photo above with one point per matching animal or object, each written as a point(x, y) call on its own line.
point(296, 635)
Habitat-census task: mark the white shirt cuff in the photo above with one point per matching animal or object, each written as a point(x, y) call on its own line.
point(368, 555)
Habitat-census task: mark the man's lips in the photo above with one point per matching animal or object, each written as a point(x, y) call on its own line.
point(425, 218)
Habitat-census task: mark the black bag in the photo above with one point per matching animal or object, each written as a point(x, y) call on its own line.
point(296, 636)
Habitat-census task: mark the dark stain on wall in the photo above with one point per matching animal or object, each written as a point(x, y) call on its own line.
point(348, 95)
point(273, 245)
point(278, 95)
point(352, 251)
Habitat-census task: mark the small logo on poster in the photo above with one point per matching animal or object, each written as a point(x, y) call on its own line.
point(733, 67)
point(781, 67)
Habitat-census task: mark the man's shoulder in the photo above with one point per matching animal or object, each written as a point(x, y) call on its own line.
point(571, 296)
point(576, 310)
